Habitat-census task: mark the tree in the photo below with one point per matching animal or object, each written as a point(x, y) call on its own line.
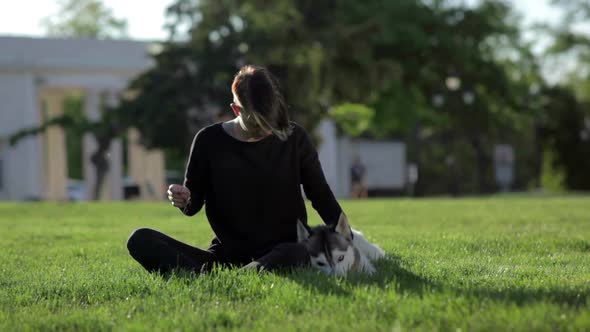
point(390, 56)
point(450, 83)
point(566, 36)
point(109, 126)
point(571, 44)
point(567, 110)
point(567, 134)
point(190, 83)
point(86, 19)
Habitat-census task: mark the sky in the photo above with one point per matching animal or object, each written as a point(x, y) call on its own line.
point(145, 21)
point(145, 18)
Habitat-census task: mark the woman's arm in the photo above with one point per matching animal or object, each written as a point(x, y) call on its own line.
point(196, 175)
point(314, 182)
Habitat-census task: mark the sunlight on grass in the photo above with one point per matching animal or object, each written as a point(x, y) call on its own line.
point(474, 264)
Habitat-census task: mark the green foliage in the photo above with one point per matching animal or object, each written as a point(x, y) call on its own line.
point(570, 43)
point(576, 10)
point(73, 106)
point(354, 119)
point(479, 264)
point(394, 57)
point(552, 178)
point(86, 19)
point(566, 122)
point(110, 125)
point(391, 56)
point(567, 126)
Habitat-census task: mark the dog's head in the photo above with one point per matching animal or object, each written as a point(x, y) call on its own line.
point(330, 248)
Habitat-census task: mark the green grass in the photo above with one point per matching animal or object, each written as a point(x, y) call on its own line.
point(473, 264)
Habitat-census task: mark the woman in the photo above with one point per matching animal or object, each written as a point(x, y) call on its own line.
point(248, 173)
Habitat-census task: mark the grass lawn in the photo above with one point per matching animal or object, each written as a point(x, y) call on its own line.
point(473, 264)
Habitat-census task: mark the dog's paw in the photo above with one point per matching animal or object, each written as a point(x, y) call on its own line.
point(378, 253)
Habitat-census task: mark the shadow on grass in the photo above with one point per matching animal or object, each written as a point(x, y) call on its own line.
point(522, 296)
point(316, 282)
point(390, 271)
point(390, 274)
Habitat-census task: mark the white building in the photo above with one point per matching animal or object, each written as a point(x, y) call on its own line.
point(385, 161)
point(36, 74)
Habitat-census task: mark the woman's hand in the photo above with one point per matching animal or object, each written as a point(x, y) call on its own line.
point(179, 195)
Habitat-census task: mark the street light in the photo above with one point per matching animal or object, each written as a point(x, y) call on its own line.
point(453, 86)
point(468, 97)
point(453, 83)
point(585, 132)
point(438, 100)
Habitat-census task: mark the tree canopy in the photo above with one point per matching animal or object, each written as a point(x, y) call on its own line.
point(431, 71)
point(84, 18)
point(451, 80)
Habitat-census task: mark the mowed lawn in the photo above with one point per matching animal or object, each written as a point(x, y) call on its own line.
point(471, 264)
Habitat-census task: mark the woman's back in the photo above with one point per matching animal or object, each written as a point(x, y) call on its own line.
point(248, 173)
point(252, 190)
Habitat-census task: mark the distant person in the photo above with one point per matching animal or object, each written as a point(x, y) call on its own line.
point(358, 173)
point(247, 172)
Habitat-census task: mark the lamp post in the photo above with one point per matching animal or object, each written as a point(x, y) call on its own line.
point(453, 86)
point(585, 132)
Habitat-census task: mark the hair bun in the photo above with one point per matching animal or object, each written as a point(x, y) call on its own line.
point(257, 90)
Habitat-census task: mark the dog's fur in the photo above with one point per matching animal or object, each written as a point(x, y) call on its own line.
point(338, 249)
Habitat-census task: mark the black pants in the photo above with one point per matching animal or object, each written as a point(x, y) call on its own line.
point(157, 252)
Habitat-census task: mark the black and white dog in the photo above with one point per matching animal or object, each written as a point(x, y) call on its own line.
point(339, 249)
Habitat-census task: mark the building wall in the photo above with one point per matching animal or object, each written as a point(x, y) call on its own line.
point(21, 169)
point(385, 161)
point(58, 55)
point(328, 155)
point(36, 69)
point(146, 168)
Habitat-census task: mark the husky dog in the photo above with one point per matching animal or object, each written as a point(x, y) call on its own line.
point(338, 249)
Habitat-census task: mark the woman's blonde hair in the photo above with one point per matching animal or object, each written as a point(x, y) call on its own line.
point(264, 108)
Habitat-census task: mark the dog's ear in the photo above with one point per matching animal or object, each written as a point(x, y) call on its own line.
point(343, 227)
point(302, 232)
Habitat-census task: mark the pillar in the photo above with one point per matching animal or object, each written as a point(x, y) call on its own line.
point(54, 147)
point(92, 112)
point(146, 168)
point(112, 188)
point(328, 155)
point(115, 175)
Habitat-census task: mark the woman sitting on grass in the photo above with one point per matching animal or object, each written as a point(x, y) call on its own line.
point(248, 173)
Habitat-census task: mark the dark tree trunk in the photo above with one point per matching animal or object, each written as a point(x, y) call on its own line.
point(451, 162)
point(101, 166)
point(482, 163)
point(417, 189)
point(538, 155)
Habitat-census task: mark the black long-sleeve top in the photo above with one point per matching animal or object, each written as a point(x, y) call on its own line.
point(252, 190)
